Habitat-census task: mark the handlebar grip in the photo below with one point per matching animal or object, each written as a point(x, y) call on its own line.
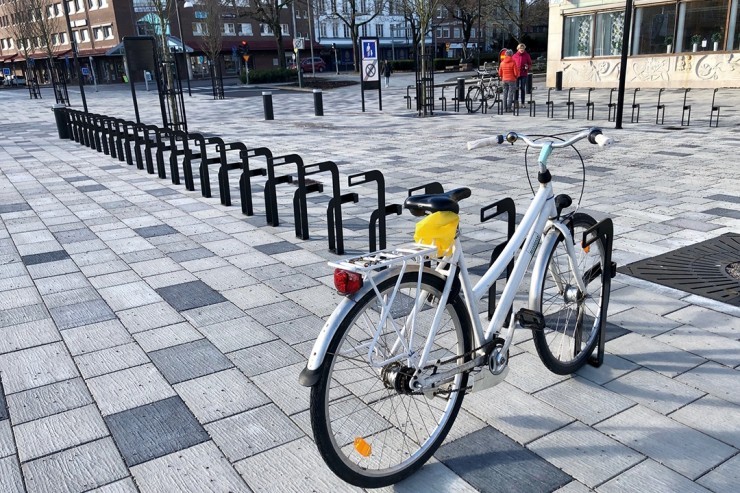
point(603, 141)
point(473, 144)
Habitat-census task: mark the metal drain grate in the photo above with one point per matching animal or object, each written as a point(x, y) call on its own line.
point(697, 269)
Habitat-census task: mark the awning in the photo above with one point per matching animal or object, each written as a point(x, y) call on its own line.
point(173, 43)
point(459, 46)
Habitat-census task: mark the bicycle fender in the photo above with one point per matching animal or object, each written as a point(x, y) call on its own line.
point(310, 374)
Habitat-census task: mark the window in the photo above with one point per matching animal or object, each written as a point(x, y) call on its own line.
point(345, 31)
point(323, 30)
point(363, 30)
point(577, 36)
point(98, 33)
point(609, 33)
point(445, 32)
point(379, 30)
point(284, 29)
point(701, 22)
point(245, 29)
point(456, 32)
point(229, 29)
point(92, 4)
point(654, 29)
point(84, 35)
point(63, 38)
point(265, 30)
point(440, 13)
point(108, 32)
point(55, 39)
point(78, 6)
point(439, 32)
point(198, 29)
point(57, 9)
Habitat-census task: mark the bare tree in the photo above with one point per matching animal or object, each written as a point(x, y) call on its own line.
point(213, 31)
point(512, 16)
point(466, 12)
point(267, 13)
point(22, 26)
point(355, 14)
point(46, 29)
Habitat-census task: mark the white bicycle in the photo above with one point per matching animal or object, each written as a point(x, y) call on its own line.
point(391, 366)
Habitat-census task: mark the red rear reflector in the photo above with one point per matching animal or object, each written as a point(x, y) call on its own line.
point(347, 282)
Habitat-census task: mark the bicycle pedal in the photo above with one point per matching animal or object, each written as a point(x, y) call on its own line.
point(530, 319)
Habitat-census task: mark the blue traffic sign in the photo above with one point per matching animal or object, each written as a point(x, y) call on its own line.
point(369, 49)
point(6, 71)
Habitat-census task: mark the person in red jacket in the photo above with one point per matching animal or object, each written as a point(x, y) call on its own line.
point(523, 62)
point(509, 73)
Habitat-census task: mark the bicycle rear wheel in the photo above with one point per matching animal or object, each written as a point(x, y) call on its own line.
point(371, 429)
point(572, 318)
point(474, 99)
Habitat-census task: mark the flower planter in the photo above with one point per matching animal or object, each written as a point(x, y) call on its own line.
point(716, 46)
point(695, 48)
point(669, 49)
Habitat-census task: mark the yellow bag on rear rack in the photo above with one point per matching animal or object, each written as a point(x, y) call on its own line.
point(438, 229)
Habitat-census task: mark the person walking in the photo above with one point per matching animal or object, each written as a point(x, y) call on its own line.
point(523, 62)
point(509, 73)
point(387, 71)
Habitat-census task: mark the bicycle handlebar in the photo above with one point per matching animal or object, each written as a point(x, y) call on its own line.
point(594, 134)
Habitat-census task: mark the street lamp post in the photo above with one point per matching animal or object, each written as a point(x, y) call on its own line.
point(187, 4)
point(73, 44)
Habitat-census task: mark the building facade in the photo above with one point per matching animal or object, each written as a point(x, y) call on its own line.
point(673, 43)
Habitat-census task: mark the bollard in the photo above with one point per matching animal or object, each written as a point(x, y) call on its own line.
point(318, 102)
point(559, 81)
point(460, 97)
point(530, 80)
point(267, 104)
point(60, 115)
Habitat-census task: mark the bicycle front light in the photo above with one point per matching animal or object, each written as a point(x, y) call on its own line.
point(346, 282)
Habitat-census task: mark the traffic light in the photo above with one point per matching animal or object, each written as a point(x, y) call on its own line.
point(242, 49)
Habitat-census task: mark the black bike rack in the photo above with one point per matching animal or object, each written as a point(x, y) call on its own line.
point(335, 232)
point(429, 188)
point(205, 161)
point(590, 107)
point(225, 166)
point(715, 108)
point(550, 104)
point(660, 109)
point(612, 106)
point(381, 212)
point(245, 180)
point(604, 231)
point(271, 209)
point(571, 105)
point(151, 141)
point(686, 107)
point(163, 138)
point(300, 204)
point(532, 104)
point(507, 206)
point(187, 157)
point(635, 105)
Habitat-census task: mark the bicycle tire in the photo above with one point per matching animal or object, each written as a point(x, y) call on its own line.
point(572, 319)
point(474, 99)
point(402, 430)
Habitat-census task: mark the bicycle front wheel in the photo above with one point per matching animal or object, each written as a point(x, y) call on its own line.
point(474, 99)
point(370, 426)
point(572, 317)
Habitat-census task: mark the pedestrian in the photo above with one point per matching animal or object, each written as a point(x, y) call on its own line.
point(387, 71)
point(509, 73)
point(523, 62)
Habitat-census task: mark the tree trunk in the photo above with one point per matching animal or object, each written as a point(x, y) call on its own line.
point(169, 81)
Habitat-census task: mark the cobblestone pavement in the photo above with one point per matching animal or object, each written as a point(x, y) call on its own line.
point(151, 338)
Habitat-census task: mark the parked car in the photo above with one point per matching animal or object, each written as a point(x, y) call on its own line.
point(319, 64)
point(15, 80)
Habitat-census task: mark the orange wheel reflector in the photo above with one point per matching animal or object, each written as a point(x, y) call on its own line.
point(587, 248)
point(363, 448)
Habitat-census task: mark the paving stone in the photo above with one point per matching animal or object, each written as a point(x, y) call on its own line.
point(264, 357)
point(714, 379)
point(299, 330)
point(66, 282)
point(19, 297)
point(612, 367)
point(252, 432)
point(213, 314)
point(654, 354)
point(142, 256)
point(77, 469)
point(190, 360)
point(75, 235)
point(10, 475)
point(16, 207)
point(129, 245)
point(253, 296)
point(195, 469)
point(129, 388)
point(670, 443)
point(723, 479)
point(157, 266)
point(320, 300)
point(7, 443)
point(164, 337)
point(86, 313)
point(37, 366)
point(653, 476)
point(58, 432)
point(236, 334)
point(94, 337)
point(158, 230)
point(91, 188)
point(6, 284)
point(277, 312)
point(42, 258)
point(308, 471)
point(154, 430)
point(149, 317)
point(191, 254)
point(654, 391)
point(277, 247)
point(279, 385)
point(126, 296)
point(491, 462)
point(529, 374)
point(110, 360)
point(190, 295)
point(643, 322)
point(170, 278)
point(226, 278)
point(48, 269)
point(71, 297)
point(22, 314)
point(584, 400)
point(714, 417)
point(711, 320)
point(3, 404)
point(26, 335)
point(585, 454)
point(704, 343)
point(50, 399)
point(219, 395)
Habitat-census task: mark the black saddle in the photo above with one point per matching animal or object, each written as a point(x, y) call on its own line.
point(420, 205)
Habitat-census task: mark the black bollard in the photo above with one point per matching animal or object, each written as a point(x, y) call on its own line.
point(318, 102)
point(559, 81)
point(62, 120)
point(267, 104)
point(530, 80)
point(460, 97)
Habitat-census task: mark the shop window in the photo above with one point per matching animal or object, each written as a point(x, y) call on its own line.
point(702, 23)
point(609, 33)
point(577, 36)
point(654, 29)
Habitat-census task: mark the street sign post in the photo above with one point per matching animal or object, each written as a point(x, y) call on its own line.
point(370, 69)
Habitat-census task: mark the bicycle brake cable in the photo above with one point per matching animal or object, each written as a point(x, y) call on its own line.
point(580, 156)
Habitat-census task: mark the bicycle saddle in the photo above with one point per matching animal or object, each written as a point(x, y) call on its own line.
point(420, 205)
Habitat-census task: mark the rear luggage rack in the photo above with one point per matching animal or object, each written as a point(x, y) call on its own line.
point(412, 252)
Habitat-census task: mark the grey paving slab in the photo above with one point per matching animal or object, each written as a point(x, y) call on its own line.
point(252, 432)
point(154, 430)
point(7, 442)
point(123, 486)
point(529, 374)
point(26, 335)
point(85, 313)
point(714, 417)
point(278, 386)
point(723, 479)
point(3, 404)
point(168, 336)
point(94, 337)
point(674, 445)
point(237, 333)
point(213, 314)
point(253, 296)
point(491, 462)
point(59, 432)
point(654, 354)
point(37, 366)
point(77, 469)
point(129, 388)
point(704, 343)
point(159, 230)
point(654, 391)
point(195, 469)
point(22, 314)
point(110, 359)
point(711, 320)
point(16, 207)
point(71, 297)
point(189, 360)
point(265, 357)
point(650, 475)
point(714, 379)
point(51, 285)
point(42, 258)
point(126, 296)
point(50, 399)
point(149, 317)
point(190, 295)
point(10, 475)
point(584, 400)
point(19, 297)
